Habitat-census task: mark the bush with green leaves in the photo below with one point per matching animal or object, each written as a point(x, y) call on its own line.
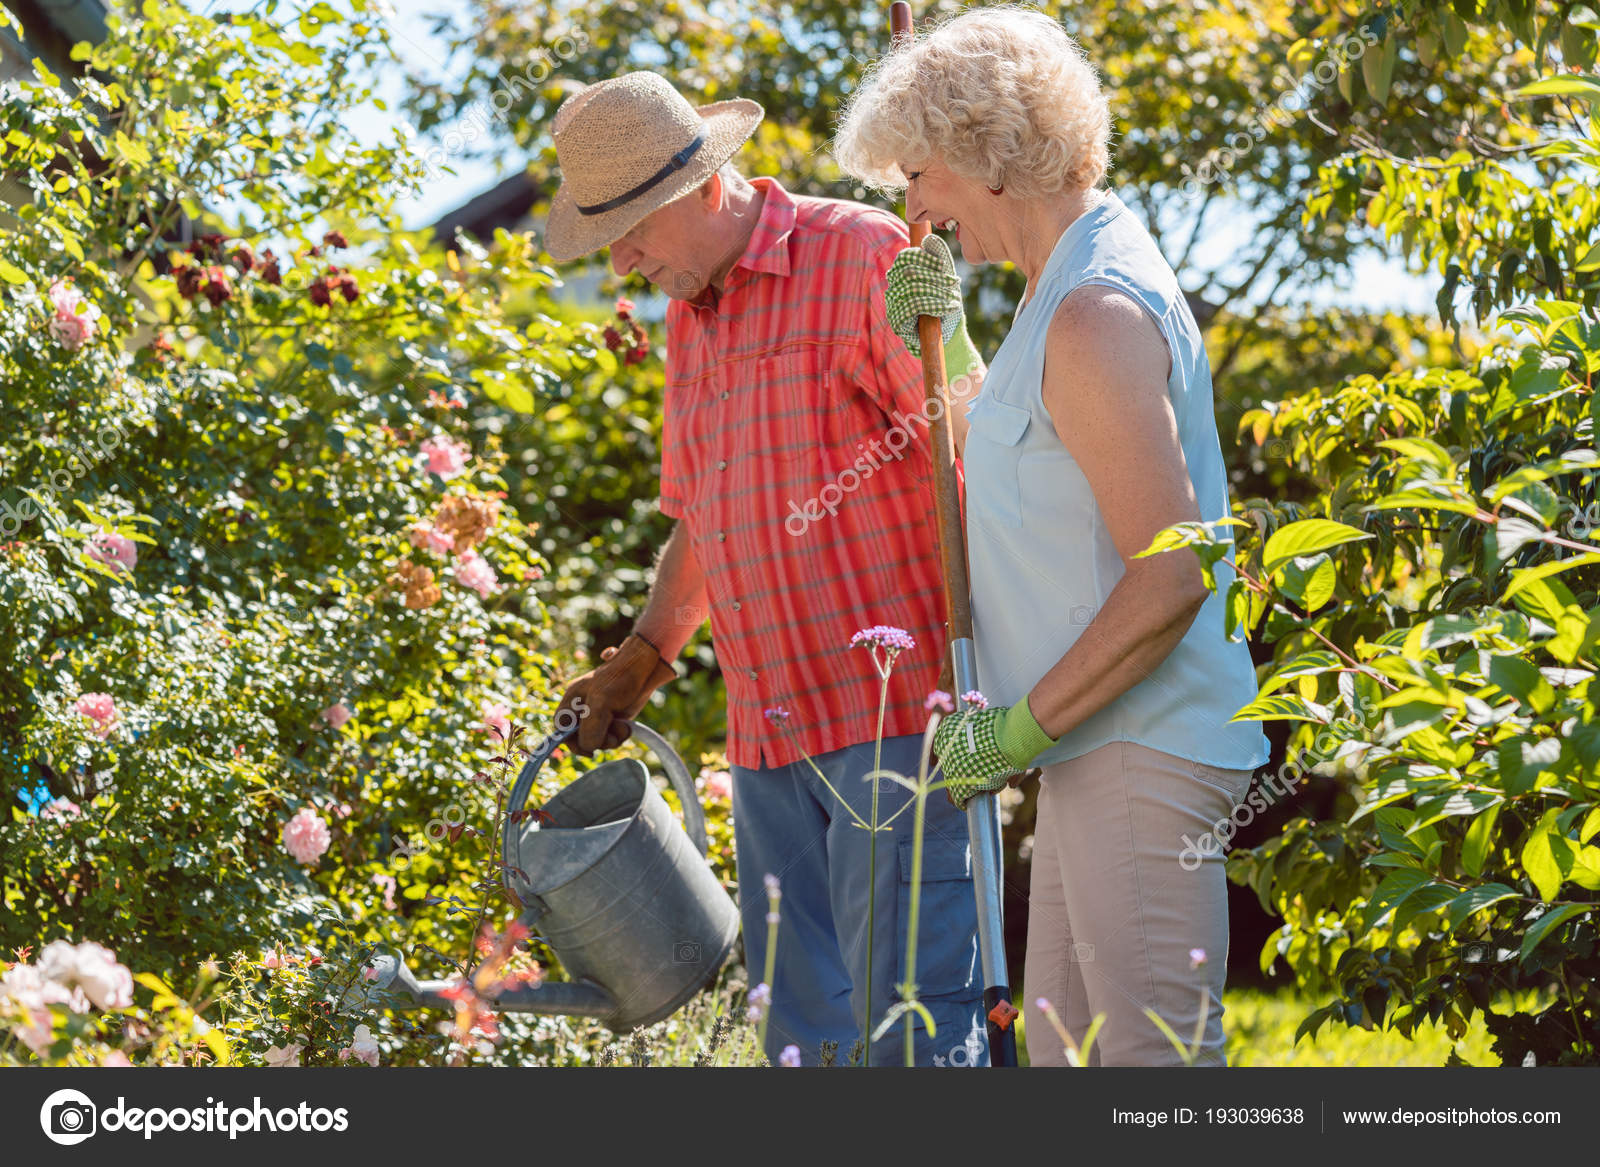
point(1431, 601)
point(259, 561)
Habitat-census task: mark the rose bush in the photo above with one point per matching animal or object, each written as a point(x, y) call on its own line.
point(241, 688)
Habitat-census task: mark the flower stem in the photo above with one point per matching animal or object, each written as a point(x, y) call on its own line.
point(872, 857)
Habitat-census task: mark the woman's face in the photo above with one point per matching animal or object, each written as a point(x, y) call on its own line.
point(951, 202)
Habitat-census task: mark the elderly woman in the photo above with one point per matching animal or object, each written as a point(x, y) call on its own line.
point(1093, 430)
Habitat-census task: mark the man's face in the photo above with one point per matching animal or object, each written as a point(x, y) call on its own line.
point(670, 247)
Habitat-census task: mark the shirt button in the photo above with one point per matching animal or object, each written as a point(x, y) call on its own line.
point(722, 536)
point(724, 395)
point(752, 674)
point(722, 465)
point(735, 605)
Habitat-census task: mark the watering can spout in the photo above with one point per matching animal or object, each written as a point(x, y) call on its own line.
point(398, 986)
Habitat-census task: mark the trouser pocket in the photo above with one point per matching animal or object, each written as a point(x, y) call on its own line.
point(947, 922)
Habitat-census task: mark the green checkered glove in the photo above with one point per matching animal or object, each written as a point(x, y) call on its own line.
point(979, 749)
point(922, 281)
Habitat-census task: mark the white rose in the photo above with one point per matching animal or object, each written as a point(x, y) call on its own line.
point(108, 984)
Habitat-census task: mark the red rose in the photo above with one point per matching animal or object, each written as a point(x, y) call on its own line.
point(217, 288)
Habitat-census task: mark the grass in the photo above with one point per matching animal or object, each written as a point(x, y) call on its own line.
point(1259, 1030)
point(1258, 1027)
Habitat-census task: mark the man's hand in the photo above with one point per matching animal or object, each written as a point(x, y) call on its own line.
point(604, 699)
point(984, 750)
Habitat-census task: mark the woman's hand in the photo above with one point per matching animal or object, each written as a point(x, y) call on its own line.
point(983, 750)
point(922, 281)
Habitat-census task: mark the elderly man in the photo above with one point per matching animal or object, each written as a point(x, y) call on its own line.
point(794, 458)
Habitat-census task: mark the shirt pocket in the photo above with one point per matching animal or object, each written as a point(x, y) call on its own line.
point(790, 403)
point(989, 460)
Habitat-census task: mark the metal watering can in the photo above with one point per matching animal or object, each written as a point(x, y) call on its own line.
point(615, 888)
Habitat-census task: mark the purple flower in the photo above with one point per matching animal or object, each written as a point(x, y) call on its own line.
point(1197, 957)
point(771, 882)
point(760, 998)
point(940, 700)
point(790, 1056)
point(777, 714)
point(885, 637)
point(975, 699)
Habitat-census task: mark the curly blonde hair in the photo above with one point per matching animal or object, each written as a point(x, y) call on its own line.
point(1002, 95)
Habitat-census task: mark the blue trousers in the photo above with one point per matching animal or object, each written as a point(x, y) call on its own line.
point(787, 822)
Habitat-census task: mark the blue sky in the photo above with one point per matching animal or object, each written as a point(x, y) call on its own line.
point(1372, 283)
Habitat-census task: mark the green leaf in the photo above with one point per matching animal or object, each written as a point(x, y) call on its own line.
point(1474, 900)
point(1390, 893)
point(1585, 88)
point(1306, 537)
point(1546, 858)
point(1522, 577)
point(1547, 922)
point(1475, 847)
point(1521, 679)
point(1282, 707)
point(12, 275)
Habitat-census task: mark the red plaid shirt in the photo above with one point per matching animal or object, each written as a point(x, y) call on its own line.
point(787, 455)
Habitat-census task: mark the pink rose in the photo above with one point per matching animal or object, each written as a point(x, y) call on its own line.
point(114, 550)
point(473, 571)
point(116, 1058)
point(336, 714)
point(446, 456)
point(70, 326)
point(289, 1055)
point(100, 708)
point(306, 836)
point(363, 1047)
point(429, 536)
point(64, 298)
point(387, 883)
point(60, 808)
point(718, 783)
point(497, 721)
point(90, 970)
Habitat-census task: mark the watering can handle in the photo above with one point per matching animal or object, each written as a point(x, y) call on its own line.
point(694, 817)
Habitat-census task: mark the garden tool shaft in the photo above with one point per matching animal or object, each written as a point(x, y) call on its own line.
point(983, 815)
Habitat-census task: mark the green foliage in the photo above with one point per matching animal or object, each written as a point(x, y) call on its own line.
point(1432, 611)
point(248, 412)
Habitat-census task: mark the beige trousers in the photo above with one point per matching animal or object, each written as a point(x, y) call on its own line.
point(1123, 891)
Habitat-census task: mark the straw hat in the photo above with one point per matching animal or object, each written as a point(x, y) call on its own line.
point(628, 146)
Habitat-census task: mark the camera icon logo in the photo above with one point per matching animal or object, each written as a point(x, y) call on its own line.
point(68, 1117)
point(686, 952)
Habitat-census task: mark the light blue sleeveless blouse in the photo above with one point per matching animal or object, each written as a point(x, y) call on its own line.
point(1042, 562)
